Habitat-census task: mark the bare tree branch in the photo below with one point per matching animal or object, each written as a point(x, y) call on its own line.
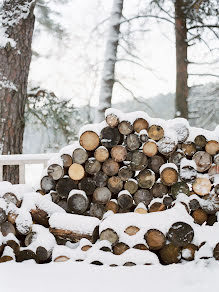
point(204, 74)
point(148, 16)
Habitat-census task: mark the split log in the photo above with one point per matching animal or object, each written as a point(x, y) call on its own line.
point(143, 196)
point(170, 254)
point(97, 210)
point(125, 173)
point(112, 205)
point(101, 154)
point(125, 200)
point(120, 248)
point(131, 230)
point(169, 176)
point(79, 156)
point(110, 137)
point(76, 171)
point(67, 160)
point(119, 153)
point(64, 186)
point(189, 148)
point(3, 216)
point(180, 234)
point(78, 202)
point(55, 171)
point(86, 247)
point(131, 186)
point(179, 188)
point(157, 207)
point(89, 140)
point(112, 120)
point(200, 141)
point(138, 161)
point(155, 163)
point(166, 146)
point(92, 166)
point(69, 235)
point(146, 179)
point(202, 160)
point(212, 147)
point(202, 186)
point(132, 142)
point(100, 179)
point(110, 167)
point(87, 184)
point(139, 125)
point(125, 128)
point(155, 132)
point(115, 184)
point(109, 235)
point(6, 228)
point(159, 190)
point(199, 216)
point(150, 148)
point(188, 252)
point(155, 239)
point(101, 195)
point(47, 183)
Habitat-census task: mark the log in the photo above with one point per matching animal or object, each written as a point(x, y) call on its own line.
point(169, 176)
point(87, 184)
point(155, 163)
point(115, 184)
point(119, 153)
point(29, 238)
point(69, 235)
point(141, 209)
point(167, 201)
point(97, 263)
point(125, 200)
point(143, 136)
point(13, 245)
point(6, 228)
point(155, 132)
point(199, 216)
point(63, 204)
point(55, 197)
point(140, 246)
point(166, 146)
point(143, 196)
point(129, 264)
point(112, 120)
point(86, 247)
point(55, 171)
point(213, 171)
point(61, 259)
point(132, 142)
point(40, 217)
point(155, 239)
point(181, 130)
point(159, 190)
point(110, 167)
point(89, 140)
point(189, 148)
point(120, 248)
point(211, 220)
point(101, 154)
point(140, 124)
point(64, 186)
point(131, 186)
point(188, 252)
point(170, 254)
point(194, 205)
point(76, 171)
point(212, 203)
point(179, 188)
point(188, 173)
point(180, 234)
point(202, 160)
point(176, 157)
point(43, 255)
point(125, 128)
point(216, 159)
point(47, 184)
point(67, 160)
point(157, 207)
point(100, 179)
point(125, 173)
point(112, 205)
point(25, 255)
point(131, 230)
point(97, 210)
point(12, 217)
point(101, 195)
point(212, 147)
point(146, 178)
point(202, 186)
point(109, 235)
point(216, 252)
point(3, 216)
point(150, 148)
point(79, 156)
point(110, 137)
point(78, 202)
point(200, 141)
point(92, 166)
point(11, 198)
point(138, 161)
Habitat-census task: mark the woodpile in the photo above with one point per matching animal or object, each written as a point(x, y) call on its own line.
point(128, 164)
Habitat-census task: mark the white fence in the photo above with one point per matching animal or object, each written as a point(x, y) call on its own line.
point(21, 160)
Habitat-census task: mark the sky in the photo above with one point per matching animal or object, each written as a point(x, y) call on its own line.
point(71, 67)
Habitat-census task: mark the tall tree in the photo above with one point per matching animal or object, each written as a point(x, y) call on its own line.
point(17, 25)
point(108, 75)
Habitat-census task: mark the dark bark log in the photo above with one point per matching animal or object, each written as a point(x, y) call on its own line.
point(14, 70)
point(199, 216)
point(170, 254)
point(97, 210)
point(110, 137)
point(69, 235)
point(216, 252)
point(109, 235)
point(11, 198)
point(178, 188)
point(194, 205)
point(110, 167)
point(143, 196)
point(7, 228)
point(92, 166)
point(87, 184)
point(146, 179)
point(67, 160)
point(180, 234)
point(125, 201)
point(167, 201)
point(64, 186)
point(43, 255)
point(139, 161)
point(125, 173)
point(40, 217)
point(189, 148)
point(176, 157)
point(132, 141)
point(78, 203)
point(25, 255)
point(200, 141)
point(155, 162)
point(120, 248)
point(159, 190)
point(100, 179)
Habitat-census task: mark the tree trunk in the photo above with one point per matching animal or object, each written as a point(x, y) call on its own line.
point(107, 81)
point(181, 60)
point(15, 57)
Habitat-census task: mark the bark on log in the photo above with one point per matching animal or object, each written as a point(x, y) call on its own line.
point(216, 252)
point(25, 255)
point(167, 201)
point(43, 255)
point(69, 235)
point(64, 186)
point(110, 137)
point(40, 217)
point(194, 205)
point(180, 234)
point(3, 216)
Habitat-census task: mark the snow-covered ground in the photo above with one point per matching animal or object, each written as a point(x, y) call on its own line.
point(71, 276)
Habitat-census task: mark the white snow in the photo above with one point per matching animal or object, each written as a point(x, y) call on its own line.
point(168, 165)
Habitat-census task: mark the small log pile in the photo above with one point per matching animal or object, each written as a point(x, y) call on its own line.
point(130, 164)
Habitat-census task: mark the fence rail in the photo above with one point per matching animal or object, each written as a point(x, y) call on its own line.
point(21, 160)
